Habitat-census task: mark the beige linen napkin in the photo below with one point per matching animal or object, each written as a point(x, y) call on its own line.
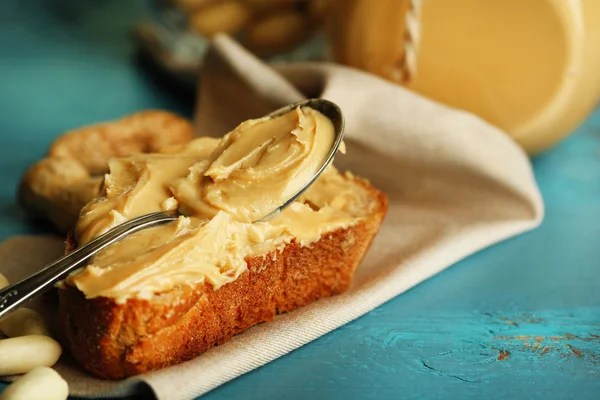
point(456, 184)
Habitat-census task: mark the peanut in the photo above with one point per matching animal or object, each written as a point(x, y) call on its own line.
point(277, 32)
point(228, 16)
point(39, 383)
point(3, 281)
point(24, 322)
point(22, 354)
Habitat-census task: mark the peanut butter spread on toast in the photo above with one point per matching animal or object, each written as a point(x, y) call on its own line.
point(220, 187)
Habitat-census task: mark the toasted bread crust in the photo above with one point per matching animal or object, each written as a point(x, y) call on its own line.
point(115, 341)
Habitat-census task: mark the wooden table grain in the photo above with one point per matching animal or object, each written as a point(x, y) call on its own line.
point(519, 320)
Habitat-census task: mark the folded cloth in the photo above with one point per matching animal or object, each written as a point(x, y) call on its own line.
point(456, 184)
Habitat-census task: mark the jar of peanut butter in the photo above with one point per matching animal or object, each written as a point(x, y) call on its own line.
point(531, 67)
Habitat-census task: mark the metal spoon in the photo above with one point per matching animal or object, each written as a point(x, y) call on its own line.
point(39, 283)
point(331, 111)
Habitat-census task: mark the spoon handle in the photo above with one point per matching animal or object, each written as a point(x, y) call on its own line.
point(39, 283)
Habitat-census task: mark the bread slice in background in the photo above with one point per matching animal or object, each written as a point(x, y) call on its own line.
point(115, 341)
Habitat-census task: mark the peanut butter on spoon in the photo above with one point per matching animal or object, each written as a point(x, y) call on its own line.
point(257, 166)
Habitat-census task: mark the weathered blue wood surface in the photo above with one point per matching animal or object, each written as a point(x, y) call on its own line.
point(520, 320)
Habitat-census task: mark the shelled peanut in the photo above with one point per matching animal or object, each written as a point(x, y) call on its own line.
point(3, 281)
point(266, 27)
point(227, 16)
point(31, 351)
point(39, 383)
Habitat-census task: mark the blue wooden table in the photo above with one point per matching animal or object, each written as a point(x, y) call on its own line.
point(519, 320)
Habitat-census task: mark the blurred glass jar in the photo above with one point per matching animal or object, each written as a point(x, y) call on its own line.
point(531, 67)
point(178, 33)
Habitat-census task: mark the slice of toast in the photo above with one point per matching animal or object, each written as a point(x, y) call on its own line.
point(115, 341)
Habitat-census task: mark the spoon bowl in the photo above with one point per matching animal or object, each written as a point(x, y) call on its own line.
point(334, 114)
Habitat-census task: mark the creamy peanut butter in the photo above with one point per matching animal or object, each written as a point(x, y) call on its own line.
point(258, 166)
point(220, 187)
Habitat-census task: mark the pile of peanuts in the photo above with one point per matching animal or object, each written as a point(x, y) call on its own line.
point(265, 27)
point(29, 350)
